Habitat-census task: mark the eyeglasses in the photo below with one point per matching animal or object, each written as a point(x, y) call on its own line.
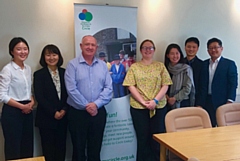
point(215, 48)
point(148, 48)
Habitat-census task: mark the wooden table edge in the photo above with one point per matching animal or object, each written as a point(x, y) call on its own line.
point(164, 147)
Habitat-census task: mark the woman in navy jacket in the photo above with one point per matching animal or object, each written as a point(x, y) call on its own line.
point(50, 93)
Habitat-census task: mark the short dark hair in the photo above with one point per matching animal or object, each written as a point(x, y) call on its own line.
point(214, 40)
point(122, 52)
point(132, 53)
point(14, 42)
point(147, 40)
point(192, 39)
point(51, 49)
point(171, 46)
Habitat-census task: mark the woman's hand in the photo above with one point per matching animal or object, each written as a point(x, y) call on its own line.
point(151, 105)
point(59, 114)
point(27, 108)
point(63, 112)
point(171, 100)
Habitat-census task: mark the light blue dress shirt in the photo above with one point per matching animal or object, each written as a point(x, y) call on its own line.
point(87, 83)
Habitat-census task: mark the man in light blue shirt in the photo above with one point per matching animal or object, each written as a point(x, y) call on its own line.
point(89, 87)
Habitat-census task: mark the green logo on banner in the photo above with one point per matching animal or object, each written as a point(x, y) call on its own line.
point(85, 17)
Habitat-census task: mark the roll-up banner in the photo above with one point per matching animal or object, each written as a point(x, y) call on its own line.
point(115, 29)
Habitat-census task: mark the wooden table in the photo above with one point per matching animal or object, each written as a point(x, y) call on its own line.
point(31, 159)
point(212, 144)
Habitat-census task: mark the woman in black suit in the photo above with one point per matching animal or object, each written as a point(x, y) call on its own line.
point(50, 93)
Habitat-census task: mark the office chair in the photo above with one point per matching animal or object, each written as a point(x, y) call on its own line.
point(228, 114)
point(187, 118)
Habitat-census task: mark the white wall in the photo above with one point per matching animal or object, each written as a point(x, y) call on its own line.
point(164, 21)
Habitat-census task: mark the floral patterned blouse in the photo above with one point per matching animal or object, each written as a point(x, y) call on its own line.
point(56, 81)
point(148, 79)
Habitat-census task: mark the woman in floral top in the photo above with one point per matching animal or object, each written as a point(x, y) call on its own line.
point(148, 82)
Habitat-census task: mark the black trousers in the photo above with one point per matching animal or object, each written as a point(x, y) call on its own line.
point(18, 132)
point(147, 148)
point(54, 142)
point(86, 133)
point(211, 110)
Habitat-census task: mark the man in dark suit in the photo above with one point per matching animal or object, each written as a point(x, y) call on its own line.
point(218, 80)
point(191, 48)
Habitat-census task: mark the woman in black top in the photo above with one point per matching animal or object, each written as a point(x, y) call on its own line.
point(51, 95)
